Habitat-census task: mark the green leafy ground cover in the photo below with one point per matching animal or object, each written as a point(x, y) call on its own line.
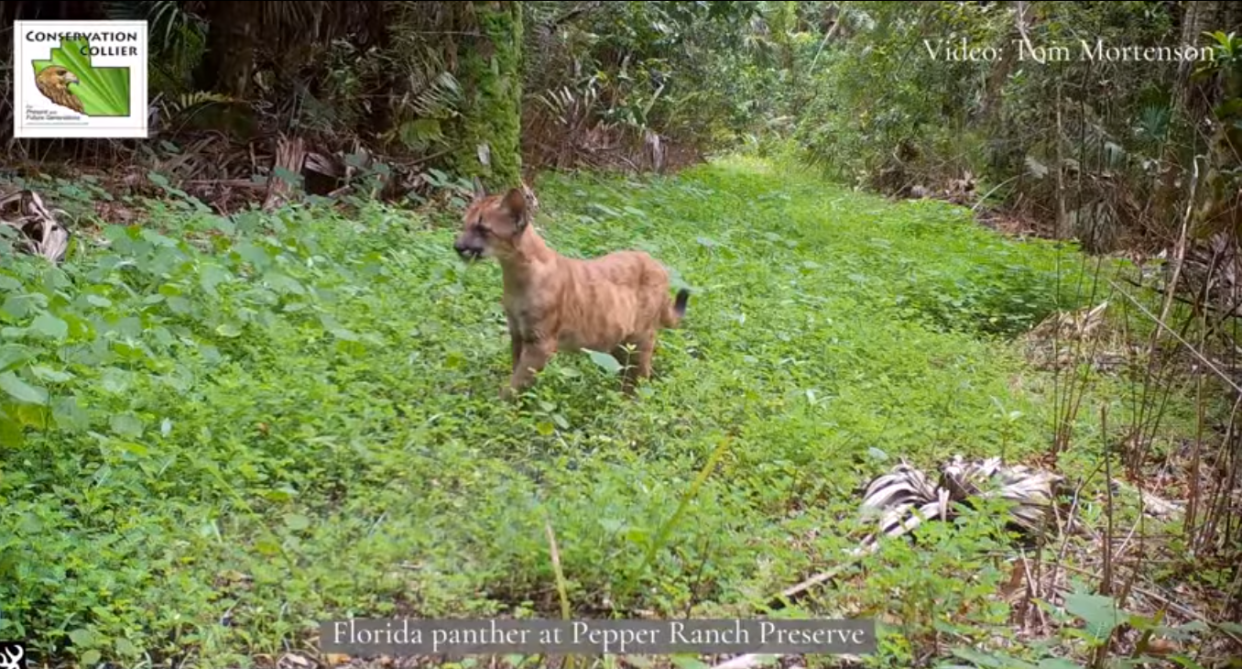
point(210, 445)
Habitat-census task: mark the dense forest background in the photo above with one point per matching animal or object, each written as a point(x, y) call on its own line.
point(1100, 152)
point(258, 104)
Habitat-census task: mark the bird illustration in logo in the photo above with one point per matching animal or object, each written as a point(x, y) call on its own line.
point(53, 82)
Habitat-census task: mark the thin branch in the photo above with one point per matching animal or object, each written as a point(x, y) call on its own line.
point(836, 26)
point(793, 593)
point(1181, 242)
point(1179, 338)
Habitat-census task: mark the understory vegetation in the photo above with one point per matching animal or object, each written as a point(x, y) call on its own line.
point(226, 429)
point(259, 390)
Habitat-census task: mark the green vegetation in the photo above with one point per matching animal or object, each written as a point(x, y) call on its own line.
point(220, 430)
point(222, 423)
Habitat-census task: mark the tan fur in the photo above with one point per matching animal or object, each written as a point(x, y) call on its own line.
point(556, 303)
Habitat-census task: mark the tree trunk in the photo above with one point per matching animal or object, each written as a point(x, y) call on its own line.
point(782, 20)
point(1188, 106)
point(991, 107)
point(1200, 17)
point(380, 118)
point(228, 64)
point(490, 72)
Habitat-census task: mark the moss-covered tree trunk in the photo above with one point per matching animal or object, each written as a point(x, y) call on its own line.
point(490, 72)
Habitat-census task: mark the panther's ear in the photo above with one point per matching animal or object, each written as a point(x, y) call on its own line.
point(515, 202)
point(479, 191)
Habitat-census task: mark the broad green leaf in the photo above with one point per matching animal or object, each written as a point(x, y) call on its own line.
point(345, 334)
point(1058, 663)
point(996, 661)
point(280, 494)
point(11, 433)
point(454, 360)
point(51, 375)
point(19, 307)
point(1232, 628)
point(212, 277)
point(606, 361)
point(82, 637)
point(126, 425)
point(126, 647)
point(22, 391)
point(69, 415)
point(224, 224)
point(135, 449)
point(116, 381)
point(1098, 612)
point(688, 662)
point(254, 255)
point(284, 284)
point(31, 524)
point(31, 415)
point(180, 305)
point(13, 356)
point(267, 546)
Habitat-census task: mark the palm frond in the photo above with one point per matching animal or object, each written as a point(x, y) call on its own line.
point(42, 233)
point(167, 19)
point(904, 496)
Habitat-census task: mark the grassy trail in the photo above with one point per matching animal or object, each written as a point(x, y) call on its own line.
point(228, 441)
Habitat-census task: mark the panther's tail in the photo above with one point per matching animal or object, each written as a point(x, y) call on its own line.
point(676, 310)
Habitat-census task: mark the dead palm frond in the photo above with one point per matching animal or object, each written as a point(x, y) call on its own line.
point(905, 497)
point(42, 234)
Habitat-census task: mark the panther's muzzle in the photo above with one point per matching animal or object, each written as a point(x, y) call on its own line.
point(467, 252)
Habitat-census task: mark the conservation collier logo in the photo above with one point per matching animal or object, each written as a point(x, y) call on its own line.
point(80, 79)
